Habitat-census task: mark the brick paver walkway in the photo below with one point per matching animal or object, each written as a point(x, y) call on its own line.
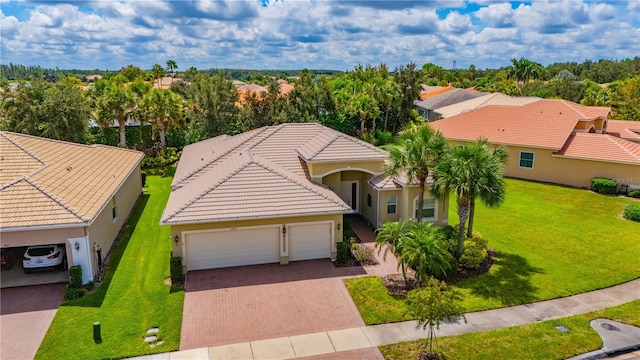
point(25, 316)
point(387, 264)
point(224, 306)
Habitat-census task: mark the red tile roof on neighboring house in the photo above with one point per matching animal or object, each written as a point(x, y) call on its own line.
point(624, 129)
point(545, 124)
point(600, 147)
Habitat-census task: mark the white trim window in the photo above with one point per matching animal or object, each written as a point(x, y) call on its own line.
point(114, 213)
point(526, 159)
point(429, 208)
point(392, 204)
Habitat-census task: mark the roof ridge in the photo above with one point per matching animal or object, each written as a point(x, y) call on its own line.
point(617, 142)
point(275, 129)
point(288, 175)
point(199, 195)
point(3, 134)
point(56, 200)
point(223, 154)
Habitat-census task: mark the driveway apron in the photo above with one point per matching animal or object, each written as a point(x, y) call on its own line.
point(25, 314)
point(224, 306)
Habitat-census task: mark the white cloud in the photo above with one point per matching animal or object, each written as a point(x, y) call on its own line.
point(313, 34)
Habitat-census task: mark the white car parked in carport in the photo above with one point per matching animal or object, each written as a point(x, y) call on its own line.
point(44, 256)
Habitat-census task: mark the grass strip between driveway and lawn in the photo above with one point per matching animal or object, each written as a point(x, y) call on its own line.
point(532, 341)
point(132, 298)
point(551, 241)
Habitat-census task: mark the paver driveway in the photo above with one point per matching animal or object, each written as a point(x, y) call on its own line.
point(224, 306)
point(25, 314)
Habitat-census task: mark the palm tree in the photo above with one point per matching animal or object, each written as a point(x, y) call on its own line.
point(523, 70)
point(392, 234)
point(419, 149)
point(157, 72)
point(426, 252)
point(471, 171)
point(165, 107)
point(364, 107)
point(172, 66)
point(117, 102)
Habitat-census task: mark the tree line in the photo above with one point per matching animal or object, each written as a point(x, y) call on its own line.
point(370, 102)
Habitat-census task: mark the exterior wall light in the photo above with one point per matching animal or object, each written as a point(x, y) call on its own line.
point(176, 238)
point(76, 246)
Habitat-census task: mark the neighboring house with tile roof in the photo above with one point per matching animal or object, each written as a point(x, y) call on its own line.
point(55, 192)
point(554, 141)
point(426, 105)
point(482, 101)
point(278, 194)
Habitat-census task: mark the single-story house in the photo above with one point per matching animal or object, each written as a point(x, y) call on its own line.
point(482, 101)
point(426, 106)
point(278, 194)
point(554, 141)
point(56, 192)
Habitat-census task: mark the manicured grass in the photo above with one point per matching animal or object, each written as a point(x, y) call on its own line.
point(551, 242)
point(375, 304)
point(533, 341)
point(132, 298)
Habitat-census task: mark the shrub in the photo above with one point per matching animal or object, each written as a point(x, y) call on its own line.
point(604, 186)
point(144, 178)
point(632, 212)
point(90, 286)
point(344, 252)
point(363, 254)
point(634, 193)
point(449, 236)
point(75, 276)
point(71, 292)
point(473, 255)
point(475, 251)
point(176, 270)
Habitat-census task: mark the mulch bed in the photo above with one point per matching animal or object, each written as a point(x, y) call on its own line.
point(396, 285)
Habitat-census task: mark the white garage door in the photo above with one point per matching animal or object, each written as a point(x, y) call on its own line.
point(218, 249)
point(309, 241)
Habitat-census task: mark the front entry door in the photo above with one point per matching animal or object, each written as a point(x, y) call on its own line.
point(349, 194)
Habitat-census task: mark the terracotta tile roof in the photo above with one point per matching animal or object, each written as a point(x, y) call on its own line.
point(430, 91)
point(545, 123)
point(66, 183)
point(624, 129)
point(264, 167)
point(331, 145)
point(384, 182)
point(600, 147)
point(482, 101)
point(248, 187)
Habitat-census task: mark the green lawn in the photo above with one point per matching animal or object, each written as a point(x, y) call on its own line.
point(551, 242)
point(130, 300)
point(533, 341)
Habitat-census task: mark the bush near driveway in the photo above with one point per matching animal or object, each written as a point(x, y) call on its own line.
point(551, 241)
point(132, 298)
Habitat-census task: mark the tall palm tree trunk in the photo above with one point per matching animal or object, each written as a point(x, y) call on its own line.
point(123, 133)
point(463, 213)
point(420, 200)
point(472, 211)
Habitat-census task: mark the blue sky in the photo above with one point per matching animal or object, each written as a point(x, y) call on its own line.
point(295, 34)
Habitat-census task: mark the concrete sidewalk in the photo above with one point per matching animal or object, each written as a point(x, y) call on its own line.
point(328, 342)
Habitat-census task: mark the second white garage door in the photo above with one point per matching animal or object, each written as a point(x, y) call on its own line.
point(218, 249)
point(309, 241)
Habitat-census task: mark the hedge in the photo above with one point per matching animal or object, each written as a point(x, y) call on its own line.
point(604, 186)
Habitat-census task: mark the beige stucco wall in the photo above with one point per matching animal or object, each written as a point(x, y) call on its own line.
point(104, 228)
point(568, 171)
point(369, 212)
point(177, 230)
point(320, 170)
point(406, 207)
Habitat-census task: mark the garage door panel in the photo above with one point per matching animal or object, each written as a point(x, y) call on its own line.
point(217, 249)
point(309, 241)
